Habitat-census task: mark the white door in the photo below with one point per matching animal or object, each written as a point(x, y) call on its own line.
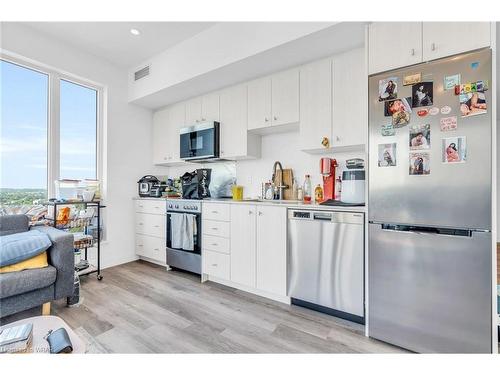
point(315, 104)
point(271, 262)
point(210, 107)
point(161, 139)
point(350, 99)
point(259, 103)
point(441, 39)
point(193, 111)
point(285, 97)
point(394, 45)
point(233, 122)
point(243, 244)
point(176, 121)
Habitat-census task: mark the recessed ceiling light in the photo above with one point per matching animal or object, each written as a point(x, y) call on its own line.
point(134, 32)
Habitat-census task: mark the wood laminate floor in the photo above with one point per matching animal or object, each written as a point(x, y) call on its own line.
point(141, 308)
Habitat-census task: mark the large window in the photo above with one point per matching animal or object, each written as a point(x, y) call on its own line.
point(24, 127)
point(49, 130)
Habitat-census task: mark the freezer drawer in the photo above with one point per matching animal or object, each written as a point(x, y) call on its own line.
point(430, 292)
point(326, 260)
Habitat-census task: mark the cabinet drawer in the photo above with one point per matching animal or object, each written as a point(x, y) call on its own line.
point(151, 247)
point(149, 224)
point(216, 211)
point(216, 264)
point(155, 206)
point(213, 243)
point(216, 228)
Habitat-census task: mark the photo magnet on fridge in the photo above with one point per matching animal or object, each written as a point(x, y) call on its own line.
point(412, 79)
point(420, 137)
point(393, 106)
point(387, 155)
point(448, 123)
point(451, 81)
point(420, 163)
point(422, 94)
point(388, 130)
point(472, 104)
point(387, 89)
point(454, 150)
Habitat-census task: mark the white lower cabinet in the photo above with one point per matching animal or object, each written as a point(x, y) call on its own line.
point(150, 232)
point(243, 241)
point(216, 264)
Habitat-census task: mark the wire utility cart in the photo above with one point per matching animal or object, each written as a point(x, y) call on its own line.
point(84, 220)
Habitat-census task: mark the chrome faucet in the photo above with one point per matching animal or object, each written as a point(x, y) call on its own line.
point(280, 187)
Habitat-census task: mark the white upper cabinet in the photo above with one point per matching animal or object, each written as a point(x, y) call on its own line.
point(166, 140)
point(350, 102)
point(235, 141)
point(394, 45)
point(441, 39)
point(243, 239)
point(259, 103)
point(315, 104)
point(271, 262)
point(160, 136)
point(285, 97)
point(193, 111)
point(210, 107)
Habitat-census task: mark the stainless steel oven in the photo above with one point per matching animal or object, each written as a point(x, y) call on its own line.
point(184, 233)
point(200, 141)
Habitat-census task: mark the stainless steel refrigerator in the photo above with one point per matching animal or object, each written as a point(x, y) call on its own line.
point(430, 207)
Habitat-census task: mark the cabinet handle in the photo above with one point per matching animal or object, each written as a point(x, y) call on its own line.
point(215, 228)
point(215, 212)
point(140, 245)
point(275, 117)
point(197, 120)
point(337, 138)
point(141, 223)
point(157, 207)
point(157, 226)
point(214, 264)
point(165, 158)
point(260, 213)
point(433, 46)
point(203, 119)
point(156, 249)
point(141, 206)
point(412, 51)
point(250, 212)
point(266, 119)
point(214, 244)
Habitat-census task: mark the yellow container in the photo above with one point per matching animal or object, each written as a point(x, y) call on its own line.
point(237, 191)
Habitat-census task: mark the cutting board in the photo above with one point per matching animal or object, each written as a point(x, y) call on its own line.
point(287, 177)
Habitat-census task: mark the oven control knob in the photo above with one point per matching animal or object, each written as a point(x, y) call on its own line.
point(176, 206)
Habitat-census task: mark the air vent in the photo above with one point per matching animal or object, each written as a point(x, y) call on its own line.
point(141, 73)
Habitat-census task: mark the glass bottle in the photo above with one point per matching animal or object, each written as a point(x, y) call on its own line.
point(307, 189)
point(318, 194)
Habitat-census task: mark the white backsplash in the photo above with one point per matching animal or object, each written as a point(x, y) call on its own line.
point(283, 147)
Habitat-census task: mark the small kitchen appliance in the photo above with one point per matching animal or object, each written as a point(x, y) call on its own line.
point(327, 169)
point(146, 184)
point(200, 142)
point(353, 186)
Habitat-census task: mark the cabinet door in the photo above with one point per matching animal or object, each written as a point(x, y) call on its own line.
point(394, 45)
point(210, 107)
point(350, 103)
point(315, 104)
point(193, 111)
point(243, 244)
point(442, 39)
point(233, 122)
point(161, 136)
point(176, 121)
point(285, 97)
point(271, 262)
point(259, 103)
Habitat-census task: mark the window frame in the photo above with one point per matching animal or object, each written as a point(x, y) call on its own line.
point(53, 116)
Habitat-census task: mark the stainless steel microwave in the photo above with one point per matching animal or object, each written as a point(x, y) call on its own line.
point(200, 141)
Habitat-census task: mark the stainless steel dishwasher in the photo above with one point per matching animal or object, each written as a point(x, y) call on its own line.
point(326, 261)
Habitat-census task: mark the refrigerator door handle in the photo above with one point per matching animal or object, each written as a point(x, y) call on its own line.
point(427, 230)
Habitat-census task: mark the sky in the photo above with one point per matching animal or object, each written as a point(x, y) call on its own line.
point(23, 130)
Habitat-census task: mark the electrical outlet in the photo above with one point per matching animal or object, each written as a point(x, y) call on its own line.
point(249, 180)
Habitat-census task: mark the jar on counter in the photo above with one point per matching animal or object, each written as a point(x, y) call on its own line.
point(318, 194)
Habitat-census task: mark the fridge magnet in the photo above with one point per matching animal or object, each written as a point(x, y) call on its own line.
point(423, 112)
point(388, 130)
point(393, 106)
point(387, 89)
point(420, 137)
point(400, 118)
point(422, 94)
point(433, 111)
point(473, 104)
point(445, 110)
point(412, 79)
point(419, 163)
point(448, 123)
point(474, 65)
point(454, 150)
point(387, 155)
point(451, 81)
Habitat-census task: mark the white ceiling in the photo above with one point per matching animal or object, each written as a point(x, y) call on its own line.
point(113, 41)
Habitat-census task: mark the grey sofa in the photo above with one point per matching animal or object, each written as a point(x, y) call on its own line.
point(26, 289)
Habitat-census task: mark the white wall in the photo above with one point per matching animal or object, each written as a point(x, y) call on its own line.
point(283, 147)
point(127, 131)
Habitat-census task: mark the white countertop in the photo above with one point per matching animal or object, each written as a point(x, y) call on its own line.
point(287, 204)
